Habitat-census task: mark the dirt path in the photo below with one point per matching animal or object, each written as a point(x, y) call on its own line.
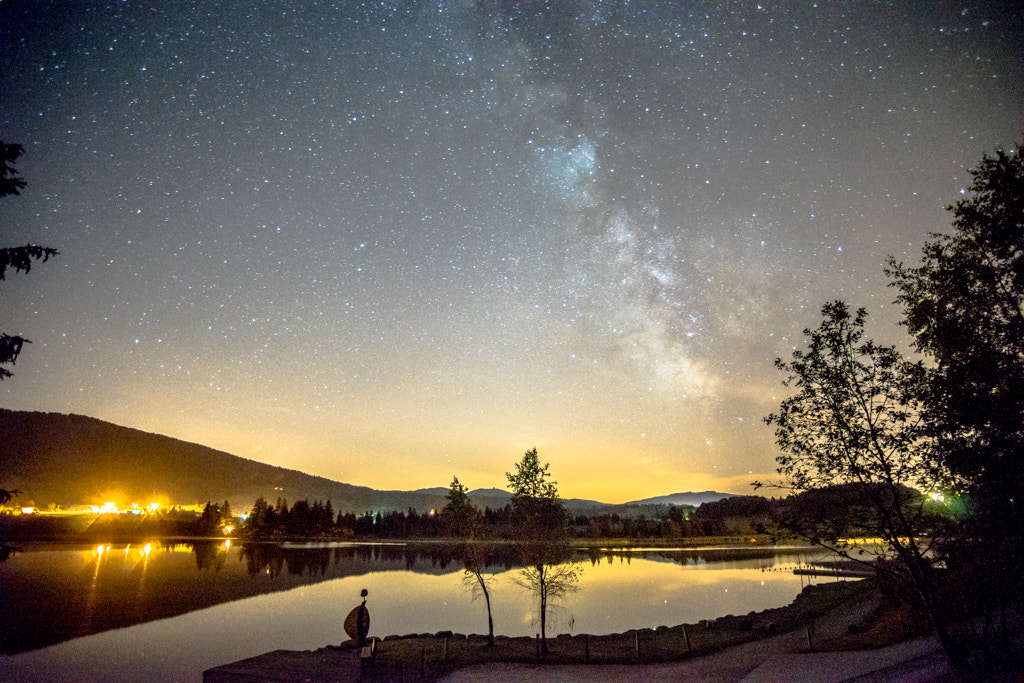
point(773, 658)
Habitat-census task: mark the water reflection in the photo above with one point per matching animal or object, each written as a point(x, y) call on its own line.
point(229, 591)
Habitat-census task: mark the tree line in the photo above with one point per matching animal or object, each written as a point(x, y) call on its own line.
point(816, 514)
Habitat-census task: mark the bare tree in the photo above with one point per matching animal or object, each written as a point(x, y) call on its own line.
point(477, 582)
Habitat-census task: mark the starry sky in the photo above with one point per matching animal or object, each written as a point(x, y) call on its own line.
point(392, 242)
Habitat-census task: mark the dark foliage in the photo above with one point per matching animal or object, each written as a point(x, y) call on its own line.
point(964, 304)
point(857, 421)
point(10, 181)
point(965, 307)
point(18, 258)
point(21, 258)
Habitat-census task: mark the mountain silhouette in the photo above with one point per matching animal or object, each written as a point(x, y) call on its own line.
point(72, 459)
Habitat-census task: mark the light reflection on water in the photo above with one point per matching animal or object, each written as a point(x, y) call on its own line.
point(617, 592)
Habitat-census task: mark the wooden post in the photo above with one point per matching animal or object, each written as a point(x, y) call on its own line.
point(686, 638)
point(444, 656)
point(636, 644)
point(808, 632)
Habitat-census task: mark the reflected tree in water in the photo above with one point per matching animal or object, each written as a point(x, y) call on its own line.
point(209, 555)
point(551, 581)
point(477, 582)
point(540, 525)
point(273, 560)
point(461, 519)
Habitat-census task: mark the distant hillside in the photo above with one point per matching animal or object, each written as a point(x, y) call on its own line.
point(498, 498)
point(690, 498)
point(70, 459)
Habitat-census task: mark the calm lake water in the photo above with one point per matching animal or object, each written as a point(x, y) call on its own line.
point(168, 612)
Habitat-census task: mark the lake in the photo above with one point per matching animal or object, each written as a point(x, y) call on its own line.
point(168, 612)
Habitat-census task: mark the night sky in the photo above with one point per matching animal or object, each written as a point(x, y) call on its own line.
point(388, 243)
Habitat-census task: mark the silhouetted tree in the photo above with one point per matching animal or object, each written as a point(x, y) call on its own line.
point(965, 307)
point(540, 529)
point(18, 258)
point(10, 181)
point(298, 518)
point(537, 511)
point(857, 420)
point(409, 524)
point(964, 304)
point(256, 523)
point(328, 516)
point(459, 517)
point(365, 524)
point(346, 524)
point(226, 516)
point(209, 522)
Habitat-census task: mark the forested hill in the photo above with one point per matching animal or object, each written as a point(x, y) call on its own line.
point(72, 459)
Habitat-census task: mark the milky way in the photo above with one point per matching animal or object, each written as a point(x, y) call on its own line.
point(395, 242)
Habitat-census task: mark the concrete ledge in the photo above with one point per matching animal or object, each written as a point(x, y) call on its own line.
point(287, 666)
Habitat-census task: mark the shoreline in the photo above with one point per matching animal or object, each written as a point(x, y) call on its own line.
point(845, 615)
